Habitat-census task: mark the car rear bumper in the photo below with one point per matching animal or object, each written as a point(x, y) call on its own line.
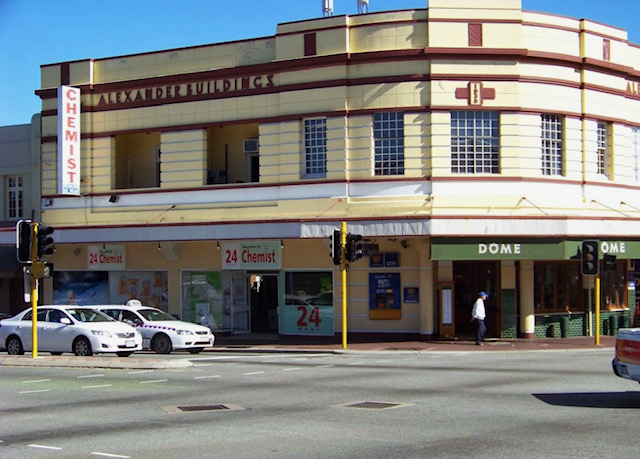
point(626, 370)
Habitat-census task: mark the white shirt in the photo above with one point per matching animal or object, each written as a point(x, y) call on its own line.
point(478, 310)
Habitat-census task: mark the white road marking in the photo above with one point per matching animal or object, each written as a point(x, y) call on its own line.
point(324, 366)
point(34, 391)
point(154, 381)
point(383, 361)
point(202, 365)
point(45, 447)
point(91, 376)
point(96, 453)
point(96, 387)
point(35, 381)
point(254, 373)
point(292, 369)
point(356, 363)
point(206, 377)
point(139, 372)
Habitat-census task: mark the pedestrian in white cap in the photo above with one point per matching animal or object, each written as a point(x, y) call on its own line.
point(478, 314)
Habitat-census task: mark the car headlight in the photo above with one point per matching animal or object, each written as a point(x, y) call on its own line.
point(184, 332)
point(106, 334)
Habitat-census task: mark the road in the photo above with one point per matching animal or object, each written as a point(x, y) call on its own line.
point(384, 405)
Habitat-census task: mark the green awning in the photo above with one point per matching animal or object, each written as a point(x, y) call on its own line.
point(524, 249)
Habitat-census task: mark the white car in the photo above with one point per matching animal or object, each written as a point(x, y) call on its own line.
point(161, 332)
point(82, 330)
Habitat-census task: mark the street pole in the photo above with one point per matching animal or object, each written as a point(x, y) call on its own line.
point(343, 271)
point(34, 290)
point(597, 295)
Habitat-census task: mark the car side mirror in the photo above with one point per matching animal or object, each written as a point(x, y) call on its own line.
point(65, 321)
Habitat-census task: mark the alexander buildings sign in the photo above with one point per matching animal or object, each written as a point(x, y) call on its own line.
point(185, 91)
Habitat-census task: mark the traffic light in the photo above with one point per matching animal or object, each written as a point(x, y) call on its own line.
point(335, 247)
point(609, 262)
point(590, 264)
point(45, 240)
point(353, 250)
point(23, 241)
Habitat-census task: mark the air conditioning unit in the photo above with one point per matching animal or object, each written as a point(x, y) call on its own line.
point(250, 146)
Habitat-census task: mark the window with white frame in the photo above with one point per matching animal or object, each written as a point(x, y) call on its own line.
point(315, 147)
point(552, 144)
point(475, 142)
point(602, 150)
point(15, 197)
point(388, 136)
point(635, 133)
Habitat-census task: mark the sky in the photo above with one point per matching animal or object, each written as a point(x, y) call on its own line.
point(38, 32)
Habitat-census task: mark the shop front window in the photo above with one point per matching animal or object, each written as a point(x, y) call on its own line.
point(558, 287)
point(613, 285)
point(203, 299)
point(308, 308)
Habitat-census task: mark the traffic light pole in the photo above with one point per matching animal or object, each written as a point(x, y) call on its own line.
point(343, 271)
point(597, 295)
point(34, 290)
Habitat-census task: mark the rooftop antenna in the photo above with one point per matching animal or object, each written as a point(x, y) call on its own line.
point(363, 6)
point(327, 8)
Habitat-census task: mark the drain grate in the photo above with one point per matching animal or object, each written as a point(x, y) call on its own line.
point(201, 408)
point(374, 405)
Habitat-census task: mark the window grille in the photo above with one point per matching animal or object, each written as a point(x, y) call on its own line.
point(15, 195)
point(636, 153)
point(552, 145)
point(388, 134)
point(475, 142)
point(602, 148)
point(315, 147)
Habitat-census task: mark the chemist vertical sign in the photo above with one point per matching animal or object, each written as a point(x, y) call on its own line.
point(69, 140)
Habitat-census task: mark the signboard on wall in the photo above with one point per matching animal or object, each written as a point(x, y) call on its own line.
point(69, 140)
point(251, 255)
point(106, 257)
point(384, 296)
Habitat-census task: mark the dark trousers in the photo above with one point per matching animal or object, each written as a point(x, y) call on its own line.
point(480, 331)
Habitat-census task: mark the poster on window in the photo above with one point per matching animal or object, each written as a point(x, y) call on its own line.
point(80, 287)
point(203, 299)
point(384, 297)
point(150, 287)
point(308, 308)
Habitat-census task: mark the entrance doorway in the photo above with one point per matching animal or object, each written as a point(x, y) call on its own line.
point(264, 302)
point(470, 278)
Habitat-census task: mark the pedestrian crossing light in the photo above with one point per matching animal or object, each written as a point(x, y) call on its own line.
point(353, 250)
point(335, 247)
point(590, 264)
point(45, 240)
point(23, 241)
point(609, 262)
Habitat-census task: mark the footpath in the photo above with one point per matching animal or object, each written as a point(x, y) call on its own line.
point(148, 360)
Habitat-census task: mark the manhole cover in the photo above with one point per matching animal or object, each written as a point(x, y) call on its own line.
point(201, 408)
point(374, 405)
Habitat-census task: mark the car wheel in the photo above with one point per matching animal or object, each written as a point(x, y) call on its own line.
point(82, 347)
point(124, 353)
point(56, 353)
point(161, 344)
point(14, 346)
point(196, 350)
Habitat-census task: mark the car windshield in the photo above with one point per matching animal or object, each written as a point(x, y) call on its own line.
point(154, 315)
point(88, 315)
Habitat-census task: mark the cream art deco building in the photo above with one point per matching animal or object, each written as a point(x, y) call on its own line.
point(472, 144)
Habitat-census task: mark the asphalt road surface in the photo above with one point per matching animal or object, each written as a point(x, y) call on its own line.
point(565, 404)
